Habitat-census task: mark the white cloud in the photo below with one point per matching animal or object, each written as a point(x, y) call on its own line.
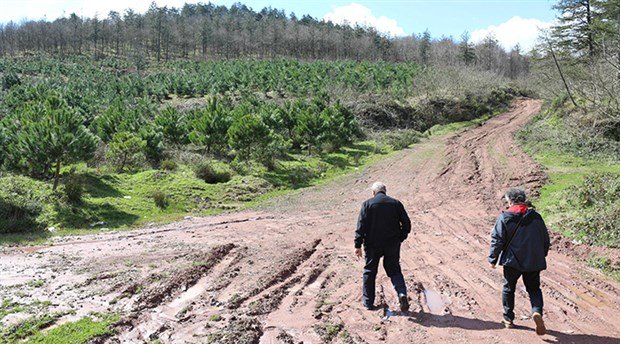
point(516, 30)
point(16, 10)
point(358, 14)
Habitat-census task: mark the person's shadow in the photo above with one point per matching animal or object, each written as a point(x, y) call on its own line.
point(472, 324)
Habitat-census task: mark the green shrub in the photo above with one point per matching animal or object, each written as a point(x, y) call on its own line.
point(161, 199)
point(593, 209)
point(74, 188)
point(126, 150)
point(9, 80)
point(401, 139)
point(210, 174)
point(251, 138)
point(168, 165)
point(25, 204)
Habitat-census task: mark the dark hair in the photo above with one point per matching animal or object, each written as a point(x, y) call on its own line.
point(516, 196)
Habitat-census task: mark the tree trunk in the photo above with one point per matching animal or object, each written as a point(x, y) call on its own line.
point(56, 175)
point(562, 76)
point(590, 38)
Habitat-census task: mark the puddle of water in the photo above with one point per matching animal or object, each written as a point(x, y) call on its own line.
point(434, 301)
point(189, 295)
point(389, 313)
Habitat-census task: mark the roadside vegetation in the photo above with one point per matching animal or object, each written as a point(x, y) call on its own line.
point(577, 135)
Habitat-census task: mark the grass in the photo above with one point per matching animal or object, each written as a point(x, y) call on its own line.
point(604, 264)
point(27, 328)
point(78, 332)
point(10, 307)
point(444, 129)
point(565, 170)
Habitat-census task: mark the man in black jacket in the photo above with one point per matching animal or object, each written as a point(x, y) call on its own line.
point(521, 239)
point(382, 225)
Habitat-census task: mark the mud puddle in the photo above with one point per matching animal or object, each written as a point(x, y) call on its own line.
point(434, 301)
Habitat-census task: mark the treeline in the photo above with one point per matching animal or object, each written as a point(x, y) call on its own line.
point(208, 31)
point(578, 66)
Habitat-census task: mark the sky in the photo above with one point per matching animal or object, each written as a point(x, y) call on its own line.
point(511, 21)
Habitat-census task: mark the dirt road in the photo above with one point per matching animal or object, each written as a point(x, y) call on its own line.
point(286, 273)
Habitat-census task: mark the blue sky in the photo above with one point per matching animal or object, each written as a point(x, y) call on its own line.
point(511, 21)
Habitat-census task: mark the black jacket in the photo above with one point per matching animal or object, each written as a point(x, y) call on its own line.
point(382, 221)
point(530, 243)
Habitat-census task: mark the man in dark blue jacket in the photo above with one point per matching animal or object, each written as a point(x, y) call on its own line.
point(520, 242)
point(382, 225)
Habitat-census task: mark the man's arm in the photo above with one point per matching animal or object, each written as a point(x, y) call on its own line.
point(405, 222)
point(362, 227)
point(498, 240)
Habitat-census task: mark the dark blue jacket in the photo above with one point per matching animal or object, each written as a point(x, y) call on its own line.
point(530, 243)
point(382, 221)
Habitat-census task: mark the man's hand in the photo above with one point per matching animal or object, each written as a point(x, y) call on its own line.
point(358, 253)
point(492, 266)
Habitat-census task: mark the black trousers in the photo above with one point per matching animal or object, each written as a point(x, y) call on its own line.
point(391, 264)
point(532, 285)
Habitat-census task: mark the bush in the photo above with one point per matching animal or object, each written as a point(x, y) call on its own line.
point(25, 204)
point(210, 174)
point(168, 165)
point(401, 139)
point(126, 150)
point(9, 80)
point(74, 188)
point(252, 139)
point(161, 199)
point(593, 209)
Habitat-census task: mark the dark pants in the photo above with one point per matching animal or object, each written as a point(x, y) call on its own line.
point(391, 264)
point(532, 285)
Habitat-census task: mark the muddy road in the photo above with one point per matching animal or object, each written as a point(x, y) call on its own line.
point(286, 273)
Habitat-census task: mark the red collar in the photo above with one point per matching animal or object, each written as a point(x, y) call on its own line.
point(518, 208)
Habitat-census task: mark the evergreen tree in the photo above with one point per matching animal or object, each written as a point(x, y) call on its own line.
point(425, 46)
point(574, 32)
point(174, 126)
point(467, 50)
point(42, 137)
point(211, 128)
point(126, 150)
point(251, 138)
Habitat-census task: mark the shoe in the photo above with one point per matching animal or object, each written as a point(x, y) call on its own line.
point(370, 307)
point(404, 303)
point(508, 323)
point(540, 324)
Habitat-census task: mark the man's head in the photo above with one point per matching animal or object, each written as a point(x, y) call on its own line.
point(515, 196)
point(378, 187)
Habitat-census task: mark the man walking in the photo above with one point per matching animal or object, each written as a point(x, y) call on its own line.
point(382, 225)
point(521, 238)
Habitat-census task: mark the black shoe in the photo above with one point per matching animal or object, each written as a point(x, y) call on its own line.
point(404, 303)
point(370, 307)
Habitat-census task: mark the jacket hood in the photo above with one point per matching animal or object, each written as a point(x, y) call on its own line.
point(528, 217)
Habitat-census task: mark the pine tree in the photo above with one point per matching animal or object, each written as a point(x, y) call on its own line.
point(468, 53)
point(574, 32)
point(42, 137)
point(425, 46)
point(211, 128)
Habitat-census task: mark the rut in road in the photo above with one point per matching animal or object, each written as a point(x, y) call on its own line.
point(286, 273)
